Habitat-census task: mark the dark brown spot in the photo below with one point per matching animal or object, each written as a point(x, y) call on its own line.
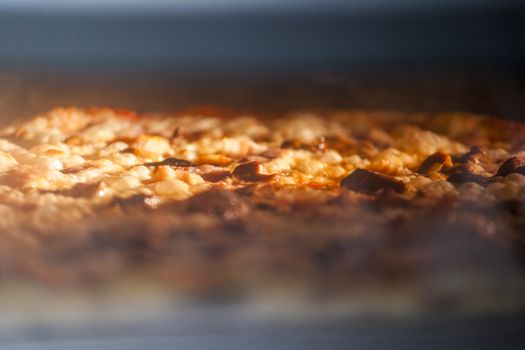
point(176, 162)
point(472, 155)
point(74, 169)
point(251, 172)
point(464, 173)
point(219, 202)
point(511, 165)
point(212, 173)
point(216, 176)
point(520, 170)
point(364, 181)
point(176, 133)
point(460, 178)
point(460, 169)
point(290, 144)
point(435, 163)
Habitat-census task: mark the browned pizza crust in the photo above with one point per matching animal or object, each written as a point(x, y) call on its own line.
point(213, 204)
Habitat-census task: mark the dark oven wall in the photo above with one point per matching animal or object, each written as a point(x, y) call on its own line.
point(266, 56)
point(499, 92)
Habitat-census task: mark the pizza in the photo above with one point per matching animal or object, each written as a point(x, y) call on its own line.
point(207, 201)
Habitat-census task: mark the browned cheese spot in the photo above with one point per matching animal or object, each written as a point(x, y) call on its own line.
point(435, 163)
point(364, 181)
point(251, 172)
point(176, 162)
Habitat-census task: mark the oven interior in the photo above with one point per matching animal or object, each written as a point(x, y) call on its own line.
point(405, 56)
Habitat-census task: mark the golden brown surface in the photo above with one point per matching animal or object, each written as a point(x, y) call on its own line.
point(213, 201)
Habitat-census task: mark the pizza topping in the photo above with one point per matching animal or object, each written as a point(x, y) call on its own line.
point(465, 173)
point(212, 173)
point(473, 155)
point(461, 169)
point(361, 180)
point(459, 178)
point(435, 163)
point(512, 165)
point(175, 162)
point(251, 172)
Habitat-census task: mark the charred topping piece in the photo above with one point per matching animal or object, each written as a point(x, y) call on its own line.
point(171, 162)
point(472, 155)
point(364, 181)
point(435, 163)
point(512, 165)
point(464, 173)
point(251, 172)
point(461, 168)
point(460, 178)
point(212, 173)
point(216, 176)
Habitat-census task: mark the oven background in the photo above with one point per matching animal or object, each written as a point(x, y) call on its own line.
point(408, 55)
